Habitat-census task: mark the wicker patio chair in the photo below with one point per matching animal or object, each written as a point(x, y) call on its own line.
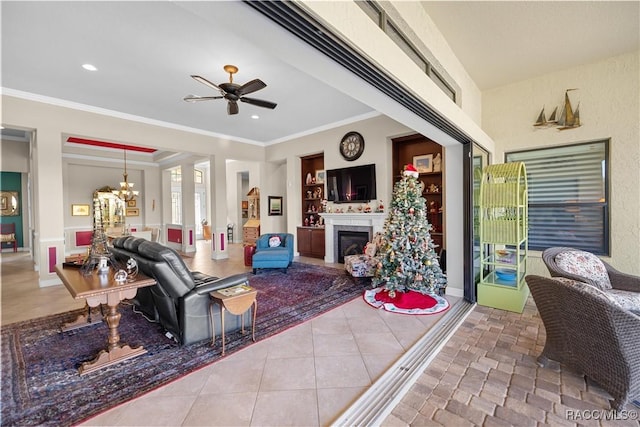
point(587, 331)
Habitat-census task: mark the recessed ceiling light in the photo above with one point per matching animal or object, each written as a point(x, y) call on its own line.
point(255, 117)
point(89, 67)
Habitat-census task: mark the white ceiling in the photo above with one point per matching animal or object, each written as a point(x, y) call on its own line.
point(502, 42)
point(146, 51)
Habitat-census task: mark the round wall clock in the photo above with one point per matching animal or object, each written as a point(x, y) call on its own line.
point(351, 146)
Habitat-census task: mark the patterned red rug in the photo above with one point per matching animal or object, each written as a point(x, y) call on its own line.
point(40, 381)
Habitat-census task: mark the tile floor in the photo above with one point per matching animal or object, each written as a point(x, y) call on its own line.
point(305, 376)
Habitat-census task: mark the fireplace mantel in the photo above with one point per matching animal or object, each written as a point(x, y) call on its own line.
point(373, 220)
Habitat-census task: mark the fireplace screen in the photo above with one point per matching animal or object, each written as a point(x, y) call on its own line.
point(351, 243)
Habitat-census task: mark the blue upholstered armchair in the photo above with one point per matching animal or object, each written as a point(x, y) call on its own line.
point(273, 250)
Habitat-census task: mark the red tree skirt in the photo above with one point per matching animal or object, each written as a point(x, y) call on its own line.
point(410, 302)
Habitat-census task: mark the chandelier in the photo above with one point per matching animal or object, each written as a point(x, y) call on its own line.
point(126, 192)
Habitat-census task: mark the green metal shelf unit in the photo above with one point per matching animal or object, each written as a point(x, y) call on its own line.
point(503, 237)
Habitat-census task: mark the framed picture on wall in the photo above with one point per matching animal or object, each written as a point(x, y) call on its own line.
point(275, 205)
point(423, 164)
point(133, 212)
point(80, 210)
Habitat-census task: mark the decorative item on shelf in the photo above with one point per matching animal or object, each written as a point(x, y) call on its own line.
point(411, 169)
point(350, 209)
point(308, 180)
point(367, 208)
point(306, 222)
point(126, 191)
point(380, 207)
point(423, 164)
point(320, 176)
point(437, 163)
point(309, 194)
point(433, 207)
point(433, 188)
point(318, 193)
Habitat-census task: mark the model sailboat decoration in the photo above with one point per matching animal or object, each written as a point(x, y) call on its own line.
point(568, 119)
point(542, 119)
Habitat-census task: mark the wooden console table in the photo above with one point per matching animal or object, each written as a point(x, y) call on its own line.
point(103, 289)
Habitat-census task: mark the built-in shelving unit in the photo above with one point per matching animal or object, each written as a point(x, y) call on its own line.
point(405, 150)
point(311, 240)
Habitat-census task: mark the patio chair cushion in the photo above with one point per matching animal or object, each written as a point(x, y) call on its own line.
point(627, 300)
point(584, 264)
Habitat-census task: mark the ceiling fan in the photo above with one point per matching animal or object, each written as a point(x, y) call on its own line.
point(233, 92)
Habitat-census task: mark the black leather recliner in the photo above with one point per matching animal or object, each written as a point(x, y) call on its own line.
point(180, 299)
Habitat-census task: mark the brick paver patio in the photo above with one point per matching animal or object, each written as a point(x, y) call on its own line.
point(487, 375)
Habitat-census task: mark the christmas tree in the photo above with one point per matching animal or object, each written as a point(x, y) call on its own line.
point(409, 261)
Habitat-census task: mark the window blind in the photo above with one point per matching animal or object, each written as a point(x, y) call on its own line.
point(568, 197)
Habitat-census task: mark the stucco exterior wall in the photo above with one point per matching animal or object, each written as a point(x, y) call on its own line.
point(609, 108)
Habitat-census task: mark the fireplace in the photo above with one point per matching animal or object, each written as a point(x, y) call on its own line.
point(350, 240)
point(351, 243)
point(369, 223)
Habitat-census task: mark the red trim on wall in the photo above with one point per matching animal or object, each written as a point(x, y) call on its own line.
point(105, 144)
point(222, 241)
point(174, 235)
point(52, 259)
point(83, 238)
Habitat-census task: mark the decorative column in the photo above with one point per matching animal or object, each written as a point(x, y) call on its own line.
point(48, 205)
point(188, 190)
point(218, 202)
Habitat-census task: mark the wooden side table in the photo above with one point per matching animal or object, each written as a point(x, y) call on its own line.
point(236, 300)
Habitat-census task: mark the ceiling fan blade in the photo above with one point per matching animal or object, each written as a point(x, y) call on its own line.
point(232, 107)
point(259, 102)
point(195, 98)
point(250, 87)
point(206, 82)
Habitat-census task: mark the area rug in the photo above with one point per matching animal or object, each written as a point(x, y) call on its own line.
point(411, 302)
point(40, 381)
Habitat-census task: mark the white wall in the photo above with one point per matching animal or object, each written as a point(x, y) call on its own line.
point(15, 156)
point(609, 108)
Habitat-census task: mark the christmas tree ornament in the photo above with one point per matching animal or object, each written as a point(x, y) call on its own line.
point(410, 170)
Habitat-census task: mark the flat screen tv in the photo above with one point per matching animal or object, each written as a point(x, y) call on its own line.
point(352, 185)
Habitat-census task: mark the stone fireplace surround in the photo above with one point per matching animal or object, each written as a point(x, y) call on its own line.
point(334, 222)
